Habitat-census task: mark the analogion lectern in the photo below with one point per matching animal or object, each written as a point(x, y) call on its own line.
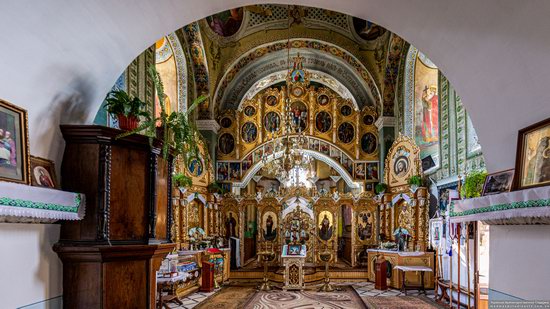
point(294, 257)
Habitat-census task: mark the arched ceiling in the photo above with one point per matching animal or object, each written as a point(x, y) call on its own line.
point(63, 57)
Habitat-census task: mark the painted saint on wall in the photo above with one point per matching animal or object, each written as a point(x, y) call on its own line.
point(325, 225)
point(272, 122)
point(249, 132)
point(226, 23)
point(269, 225)
point(366, 30)
point(323, 122)
point(226, 143)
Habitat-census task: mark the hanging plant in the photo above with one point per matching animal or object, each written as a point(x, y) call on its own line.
point(380, 188)
point(180, 180)
point(215, 187)
point(473, 184)
point(415, 180)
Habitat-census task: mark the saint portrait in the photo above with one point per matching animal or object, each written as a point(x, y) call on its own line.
point(323, 100)
point(226, 143)
point(272, 122)
point(325, 222)
point(226, 23)
point(230, 223)
point(226, 122)
point(271, 100)
point(297, 91)
point(401, 166)
point(368, 120)
point(324, 148)
point(249, 132)
point(346, 132)
point(247, 163)
point(372, 171)
point(14, 152)
point(323, 122)
point(364, 225)
point(345, 110)
point(43, 173)
point(269, 225)
point(360, 171)
point(335, 153)
point(298, 111)
point(43, 178)
point(234, 171)
point(298, 76)
point(369, 143)
point(249, 111)
point(498, 182)
point(347, 163)
point(366, 30)
point(535, 155)
point(195, 166)
point(313, 144)
point(222, 170)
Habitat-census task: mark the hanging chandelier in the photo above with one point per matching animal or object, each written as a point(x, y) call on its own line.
point(288, 161)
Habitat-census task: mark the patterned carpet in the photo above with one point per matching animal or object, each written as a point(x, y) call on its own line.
point(400, 302)
point(231, 297)
point(347, 297)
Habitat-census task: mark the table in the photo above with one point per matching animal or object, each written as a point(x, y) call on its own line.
point(165, 282)
point(408, 258)
point(421, 269)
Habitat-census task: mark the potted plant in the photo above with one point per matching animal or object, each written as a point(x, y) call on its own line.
point(215, 187)
point(415, 181)
point(380, 188)
point(473, 184)
point(126, 109)
point(182, 181)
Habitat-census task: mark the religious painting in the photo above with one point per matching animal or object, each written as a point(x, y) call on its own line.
point(226, 143)
point(323, 122)
point(369, 143)
point(360, 171)
point(272, 122)
point(335, 153)
point(346, 217)
point(371, 171)
point(226, 122)
point(249, 132)
point(269, 225)
point(298, 76)
point(345, 110)
point(257, 155)
point(365, 226)
point(271, 100)
point(366, 30)
point(43, 173)
point(297, 91)
point(234, 171)
point(325, 223)
point(268, 149)
point(249, 111)
point(247, 163)
point(298, 112)
point(226, 186)
point(347, 163)
point(436, 232)
point(346, 132)
point(533, 160)
point(499, 182)
point(226, 23)
point(426, 108)
point(14, 146)
point(324, 148)
point(314, 144)
point(369, 186)
point(222, 170)
point(195, 166)
point(368, 120)
point(401, 166)
point(294, 249)
point(231, 221)
point(323, 99)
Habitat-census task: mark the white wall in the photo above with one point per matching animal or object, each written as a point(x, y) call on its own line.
point(519, 257)
point(30, 271)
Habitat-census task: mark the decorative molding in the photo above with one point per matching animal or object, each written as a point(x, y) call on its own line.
point(208, 125)
point(385, 121)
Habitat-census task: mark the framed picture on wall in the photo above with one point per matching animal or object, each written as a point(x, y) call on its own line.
point(533, 156)
point(14, 144)
point(498, 182)
point(43, 173)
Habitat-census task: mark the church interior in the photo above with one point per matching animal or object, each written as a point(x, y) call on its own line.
point(198, 154)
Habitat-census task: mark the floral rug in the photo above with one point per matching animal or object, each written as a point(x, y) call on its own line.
point(400, 302)
point(230, 297)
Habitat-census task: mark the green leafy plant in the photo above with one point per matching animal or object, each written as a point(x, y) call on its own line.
point(380, 187)
point(415, 180)
point(215, 187)
point(473, 184)
point(181, 180)
point(178, 131)
point(118, 102)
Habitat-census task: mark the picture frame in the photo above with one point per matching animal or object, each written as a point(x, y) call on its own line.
point(498, 182)
point(294, 249)
point(43, 173)
point(533, 156)
point(14, 147)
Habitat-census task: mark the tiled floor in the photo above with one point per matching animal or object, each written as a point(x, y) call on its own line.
point(362, 288)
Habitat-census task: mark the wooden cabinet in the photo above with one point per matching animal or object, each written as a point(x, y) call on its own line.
point(111, 256)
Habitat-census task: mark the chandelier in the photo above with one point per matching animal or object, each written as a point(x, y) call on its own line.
point(287, 160)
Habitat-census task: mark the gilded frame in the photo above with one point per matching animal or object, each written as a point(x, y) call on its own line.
point(23, 140)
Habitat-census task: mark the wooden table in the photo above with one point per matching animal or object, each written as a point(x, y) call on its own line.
point(421, 269)
point(166, 282)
